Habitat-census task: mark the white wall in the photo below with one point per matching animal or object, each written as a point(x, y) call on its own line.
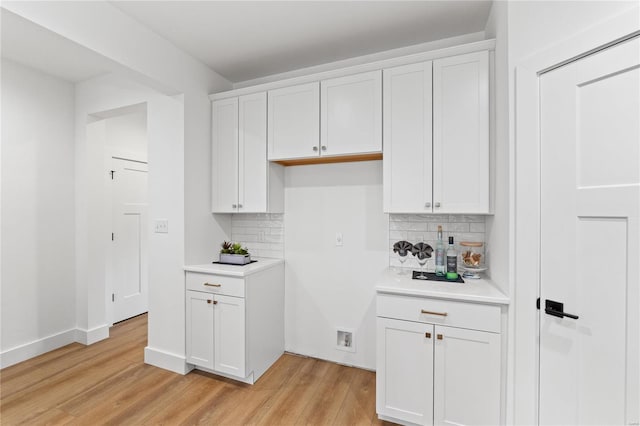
point(498, 225)
point(126, 134)
point(181, 162)
point(328, 286)
point(535, 26)
point(37, 287)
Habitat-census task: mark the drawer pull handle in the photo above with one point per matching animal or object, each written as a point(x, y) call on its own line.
point(213, 285)
point(427, 335)
point(442, 314)
point(439, 336)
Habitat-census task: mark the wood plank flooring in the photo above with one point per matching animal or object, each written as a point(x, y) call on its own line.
point(108, 383)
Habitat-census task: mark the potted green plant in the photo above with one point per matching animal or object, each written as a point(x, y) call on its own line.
point(234, 253)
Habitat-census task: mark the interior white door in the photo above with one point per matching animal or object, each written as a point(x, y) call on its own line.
point(130, 239)
point(590, 232)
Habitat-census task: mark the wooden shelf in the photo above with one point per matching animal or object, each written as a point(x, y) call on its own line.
point(328, 160)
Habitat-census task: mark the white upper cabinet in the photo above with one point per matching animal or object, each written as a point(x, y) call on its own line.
point(294, 126)
point(407, 158)
point(461, 134)
point(243, 181)
point(439, 166)
point(351, 114)
point(224, 153)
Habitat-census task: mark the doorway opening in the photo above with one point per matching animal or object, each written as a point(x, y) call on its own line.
point(122, 134)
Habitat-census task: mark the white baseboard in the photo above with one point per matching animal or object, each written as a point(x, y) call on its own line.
point(37, 347)
point(168, 361)
point(93, 335)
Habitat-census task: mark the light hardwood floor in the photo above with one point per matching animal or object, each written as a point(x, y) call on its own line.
point(108, 383)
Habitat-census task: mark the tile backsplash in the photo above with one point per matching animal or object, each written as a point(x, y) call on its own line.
point(261, 233)
point(416, 228)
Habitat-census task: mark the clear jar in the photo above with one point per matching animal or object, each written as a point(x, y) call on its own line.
point(472, 254)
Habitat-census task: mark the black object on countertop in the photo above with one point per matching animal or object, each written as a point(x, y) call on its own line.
point(236, 264)
point(431, 276)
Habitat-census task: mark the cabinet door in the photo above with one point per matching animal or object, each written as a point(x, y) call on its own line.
point(407, 158)
point(461, 134)
point(224, 156)
point(294, 122)
point(466, 377)
point(351, 114)
point(200, 329)
point(229, 335)
point(404, 376)
point(252, 153)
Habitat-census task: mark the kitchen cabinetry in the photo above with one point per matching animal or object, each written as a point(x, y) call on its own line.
point(294, 127)
point(439, 166)
point(461, 133)
point(438, 360)
point(351, 114)
point(334, 118)
point(235, 318)
point(242, 178)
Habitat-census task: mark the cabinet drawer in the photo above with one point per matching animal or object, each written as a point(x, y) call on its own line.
point(458, 314)
point(217, 284)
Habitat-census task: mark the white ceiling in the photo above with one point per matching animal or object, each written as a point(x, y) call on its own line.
point(244, 40)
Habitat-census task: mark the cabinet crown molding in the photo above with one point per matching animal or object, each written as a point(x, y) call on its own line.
point(477, 46)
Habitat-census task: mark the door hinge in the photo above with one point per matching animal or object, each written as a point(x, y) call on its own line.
point(112, 173)
point(113, 297)
point(112, 237)
point(538, 303)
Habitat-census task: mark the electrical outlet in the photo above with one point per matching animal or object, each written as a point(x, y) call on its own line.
point(161, 226)
point(339, 241)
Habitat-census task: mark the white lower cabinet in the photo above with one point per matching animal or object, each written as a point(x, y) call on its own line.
point(429, 373)
point(235, 325)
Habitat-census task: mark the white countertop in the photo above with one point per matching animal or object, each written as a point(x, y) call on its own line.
point(235, 270)
point(473, 290)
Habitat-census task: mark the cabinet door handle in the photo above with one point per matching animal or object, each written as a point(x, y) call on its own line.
point(427, 335)
point(427, 204)
point(208, 301)
point(442, 314)
point(233, 206)
point(212, 285)
point(315, 149)
point(439, 336)
point(215, 302)
point(324, 148)
point(239, 206)
point(437, 204)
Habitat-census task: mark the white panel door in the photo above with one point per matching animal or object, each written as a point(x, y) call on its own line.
point(199, 329)
point(229, 323)
point(294, 122)
point(404, 378)
point(252, 153)
point(461, 134)
point(351, 114)
point(130, 239)
point(407, 159)
point(466, 385)
point(590, 237)
point(224, 156)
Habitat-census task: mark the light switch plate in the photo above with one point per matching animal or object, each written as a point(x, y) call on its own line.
point(161, 226)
